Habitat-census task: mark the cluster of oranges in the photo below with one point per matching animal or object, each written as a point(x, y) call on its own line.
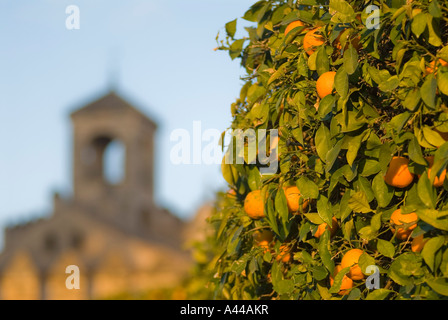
point(311, 41)
point(398, 175)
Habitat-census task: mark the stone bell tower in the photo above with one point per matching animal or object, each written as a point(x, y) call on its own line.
point(96, 126)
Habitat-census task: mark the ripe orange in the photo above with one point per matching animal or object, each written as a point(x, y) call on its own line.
point(312, 40)
point(265, 245)
point(398, 174)
point(322, 227)
point(397, 220)
point(293, 25)
point(346, 284)
point(432, 66)
point(350, 259)
point(418, 243)
point(438, 181)
point(293, 196)
point(325, 84)
point(415, 12)
point(284, 255)
point(263, 239)
point(254, 205)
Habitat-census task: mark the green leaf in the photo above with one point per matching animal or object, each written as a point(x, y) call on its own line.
point(332, 155)
point(324, 252)
point(434, 9)
point(383, 192)
point(430, 249)
point(254, 179)
point(307, 188)
point(326, 105)
point(439, 285)
point(229, 173)
point(407, 269)
point(322, 142)
point(358, 202)
point(278, 74)
point(341, 82)
point(436, 218)
point(443, 53)
point(314, 218)
point(415, 152)
point(367, 233)
point(231, 28)
point(323, 209)
point(426, 191)
point(390, 84)
point(235, 48)
point(338, 280)
point(432, 137)
point(350, 60)
point(434, 30)
point(412, 99)
point(322, 61)
point(345, 209)
point(353, 147)
point(319, 273)
point(379, 294)
point(344, 12)
point(386, 248)
point(281, 205)
point(442, 81)
point(418, 25)
point(364, 261)
point(355, 294)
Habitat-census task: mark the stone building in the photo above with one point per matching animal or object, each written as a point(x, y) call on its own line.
point(114, 232)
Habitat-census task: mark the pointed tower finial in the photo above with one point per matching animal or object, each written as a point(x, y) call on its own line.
point(113, 71)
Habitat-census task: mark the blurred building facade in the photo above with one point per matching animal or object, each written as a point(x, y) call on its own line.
point(114, 232)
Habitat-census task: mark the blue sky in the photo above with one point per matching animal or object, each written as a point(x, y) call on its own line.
point(163, 53)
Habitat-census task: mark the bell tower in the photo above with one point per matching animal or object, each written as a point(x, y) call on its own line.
point(109, 121)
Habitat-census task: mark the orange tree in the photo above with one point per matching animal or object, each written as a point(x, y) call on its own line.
point(361, 107)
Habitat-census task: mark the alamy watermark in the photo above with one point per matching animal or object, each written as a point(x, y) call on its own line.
point(243, 146)
point(73, 21)
point(72, 281)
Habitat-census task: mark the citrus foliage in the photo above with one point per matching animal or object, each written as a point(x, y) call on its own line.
point(388, 103)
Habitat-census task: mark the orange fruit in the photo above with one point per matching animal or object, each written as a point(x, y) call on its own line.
point(263, 239)
point(397, 220)
point(265, 245)
point(415, 12)
point(346, 284)
point(254, 205)
point(293, 196)
point(323, 226)
point(284, 254)
point(293, 25)
point(398, 174)
point(325, 84)
point(350, 259)
point(438, 181)
point(432, 66)
point(312, 40)
point(418, 243)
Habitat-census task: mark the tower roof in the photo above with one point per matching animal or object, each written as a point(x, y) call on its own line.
point(110, 102)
